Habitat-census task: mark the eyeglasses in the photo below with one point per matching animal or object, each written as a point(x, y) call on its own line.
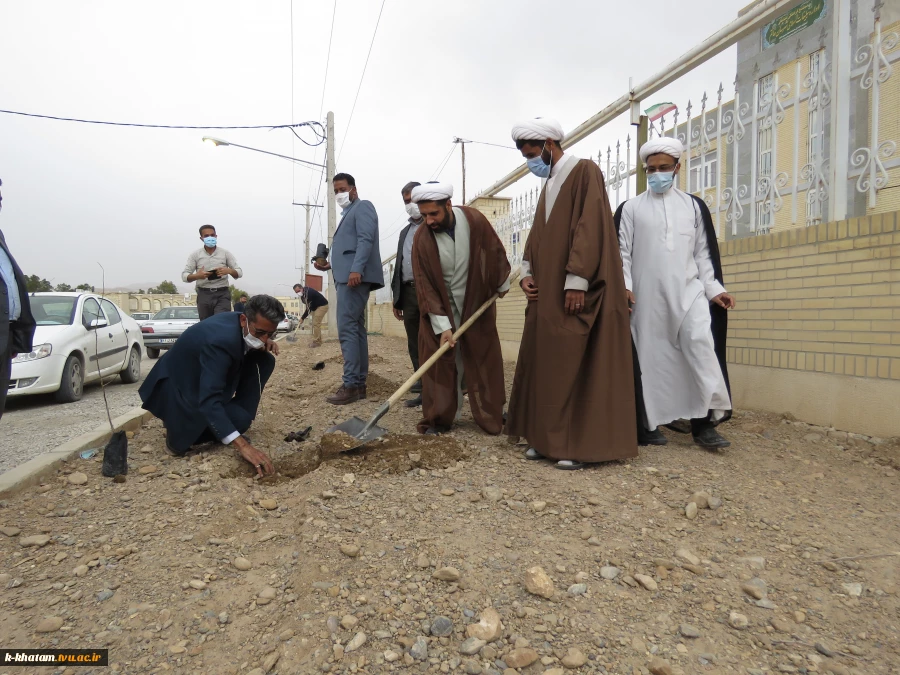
point(664, 169)
point(258, 332)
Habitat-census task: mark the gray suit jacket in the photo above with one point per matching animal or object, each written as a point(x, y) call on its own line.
point(355, 246)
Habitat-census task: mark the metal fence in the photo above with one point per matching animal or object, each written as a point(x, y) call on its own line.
point(769, 144)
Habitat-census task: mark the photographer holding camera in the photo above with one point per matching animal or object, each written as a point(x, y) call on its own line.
point(209, 267)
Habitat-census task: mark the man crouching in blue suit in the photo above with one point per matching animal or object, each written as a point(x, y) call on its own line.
point(208, 386)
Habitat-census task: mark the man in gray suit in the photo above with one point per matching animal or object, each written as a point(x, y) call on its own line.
point(356, 271)
point(16, 322)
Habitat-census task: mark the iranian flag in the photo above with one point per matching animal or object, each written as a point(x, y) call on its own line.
point(654, 112)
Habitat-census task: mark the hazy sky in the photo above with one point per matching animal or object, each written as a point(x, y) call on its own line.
point(132, 199)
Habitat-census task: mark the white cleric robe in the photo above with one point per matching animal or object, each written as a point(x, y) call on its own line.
point(455, 252)
point(667, 265)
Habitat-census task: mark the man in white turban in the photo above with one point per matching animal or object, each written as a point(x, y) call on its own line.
point(458, 264)
point(573, 394)
point(673, 277)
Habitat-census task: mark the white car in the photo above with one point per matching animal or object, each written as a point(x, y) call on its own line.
point(166, 326)
point(141, 317)
point(80, 338)
point(284, 326)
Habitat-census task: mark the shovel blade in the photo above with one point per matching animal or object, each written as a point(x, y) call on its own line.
point(357, 428)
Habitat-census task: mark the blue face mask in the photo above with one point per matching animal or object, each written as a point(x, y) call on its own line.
point(537, 166)
point(659, 182)
point(209, 241)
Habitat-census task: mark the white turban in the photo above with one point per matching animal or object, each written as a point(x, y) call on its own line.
point(431, 192)
point(662, 146)
point(538, 129)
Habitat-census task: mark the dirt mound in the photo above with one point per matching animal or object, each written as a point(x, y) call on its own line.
point(378, 387)
point(393, 454)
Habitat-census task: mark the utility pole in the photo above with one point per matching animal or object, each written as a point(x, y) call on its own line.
point(332, 217)
point(306, 257)
point(462, 143)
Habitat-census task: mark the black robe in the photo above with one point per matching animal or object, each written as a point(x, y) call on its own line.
point(718, 315)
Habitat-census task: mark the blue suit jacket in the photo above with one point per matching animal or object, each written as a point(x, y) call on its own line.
point(189, 387)
point(355, 246)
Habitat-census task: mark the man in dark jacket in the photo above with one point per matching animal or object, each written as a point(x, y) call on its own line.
point(406, 306)
point(208, 387)
point(315, 304)
point(16, 322)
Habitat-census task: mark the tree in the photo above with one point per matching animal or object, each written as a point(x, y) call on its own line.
point(165, 288)
point(141, 291)
point(63, 288)
point(236, 294)
point(33, 284)
point(83, 287)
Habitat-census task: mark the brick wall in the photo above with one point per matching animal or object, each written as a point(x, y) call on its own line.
point(823, 299)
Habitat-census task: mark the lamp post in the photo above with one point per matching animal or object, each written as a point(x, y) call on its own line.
point(332, 213)
point(217, 142)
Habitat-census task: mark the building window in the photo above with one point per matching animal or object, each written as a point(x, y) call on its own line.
point(705, 173)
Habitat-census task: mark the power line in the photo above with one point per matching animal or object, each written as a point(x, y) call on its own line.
point(496, 145)
point(317, 127)
point(362, 77)
point(293, 152)
point(439, 171)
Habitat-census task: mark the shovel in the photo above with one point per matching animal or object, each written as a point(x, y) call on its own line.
point(368, 431)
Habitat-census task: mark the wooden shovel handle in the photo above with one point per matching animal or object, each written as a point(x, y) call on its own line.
point(444, 347)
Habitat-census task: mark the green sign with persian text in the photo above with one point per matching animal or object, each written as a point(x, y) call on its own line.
point(790, 23)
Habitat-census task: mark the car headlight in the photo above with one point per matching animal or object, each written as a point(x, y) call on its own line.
point(39, 352)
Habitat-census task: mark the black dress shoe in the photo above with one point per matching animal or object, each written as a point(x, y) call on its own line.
point(711, 439)
point(654, 437)
point(680, 426)
point(414, 402)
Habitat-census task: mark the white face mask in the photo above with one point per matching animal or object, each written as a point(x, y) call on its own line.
point(342, 199)
point(252, 341)
point(413, 211)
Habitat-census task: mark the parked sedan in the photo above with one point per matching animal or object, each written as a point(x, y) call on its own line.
point(80, 338)
point(166, 327)
point(141, 317)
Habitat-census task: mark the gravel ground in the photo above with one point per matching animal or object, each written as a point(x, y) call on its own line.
point(32, 425)
point(456, 555)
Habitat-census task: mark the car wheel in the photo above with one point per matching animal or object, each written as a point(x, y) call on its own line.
point(152, 353)
point(71, 385)
point(132, 371)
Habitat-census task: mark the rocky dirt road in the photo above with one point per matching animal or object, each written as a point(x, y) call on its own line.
point(455, 555)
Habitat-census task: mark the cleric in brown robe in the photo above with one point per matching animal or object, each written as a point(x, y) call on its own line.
point(458, 264)
point(573, 393)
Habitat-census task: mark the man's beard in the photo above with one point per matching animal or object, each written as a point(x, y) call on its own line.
point(447, 224)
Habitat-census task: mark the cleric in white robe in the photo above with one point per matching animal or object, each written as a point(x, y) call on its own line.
point(673, 278)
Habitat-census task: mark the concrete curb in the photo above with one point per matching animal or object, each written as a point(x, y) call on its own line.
point(31, 472)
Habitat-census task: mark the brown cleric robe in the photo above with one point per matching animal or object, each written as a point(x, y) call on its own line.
point(482, 359)
point(573, 392)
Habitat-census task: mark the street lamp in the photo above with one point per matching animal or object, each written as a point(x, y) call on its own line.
point(218, 141)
